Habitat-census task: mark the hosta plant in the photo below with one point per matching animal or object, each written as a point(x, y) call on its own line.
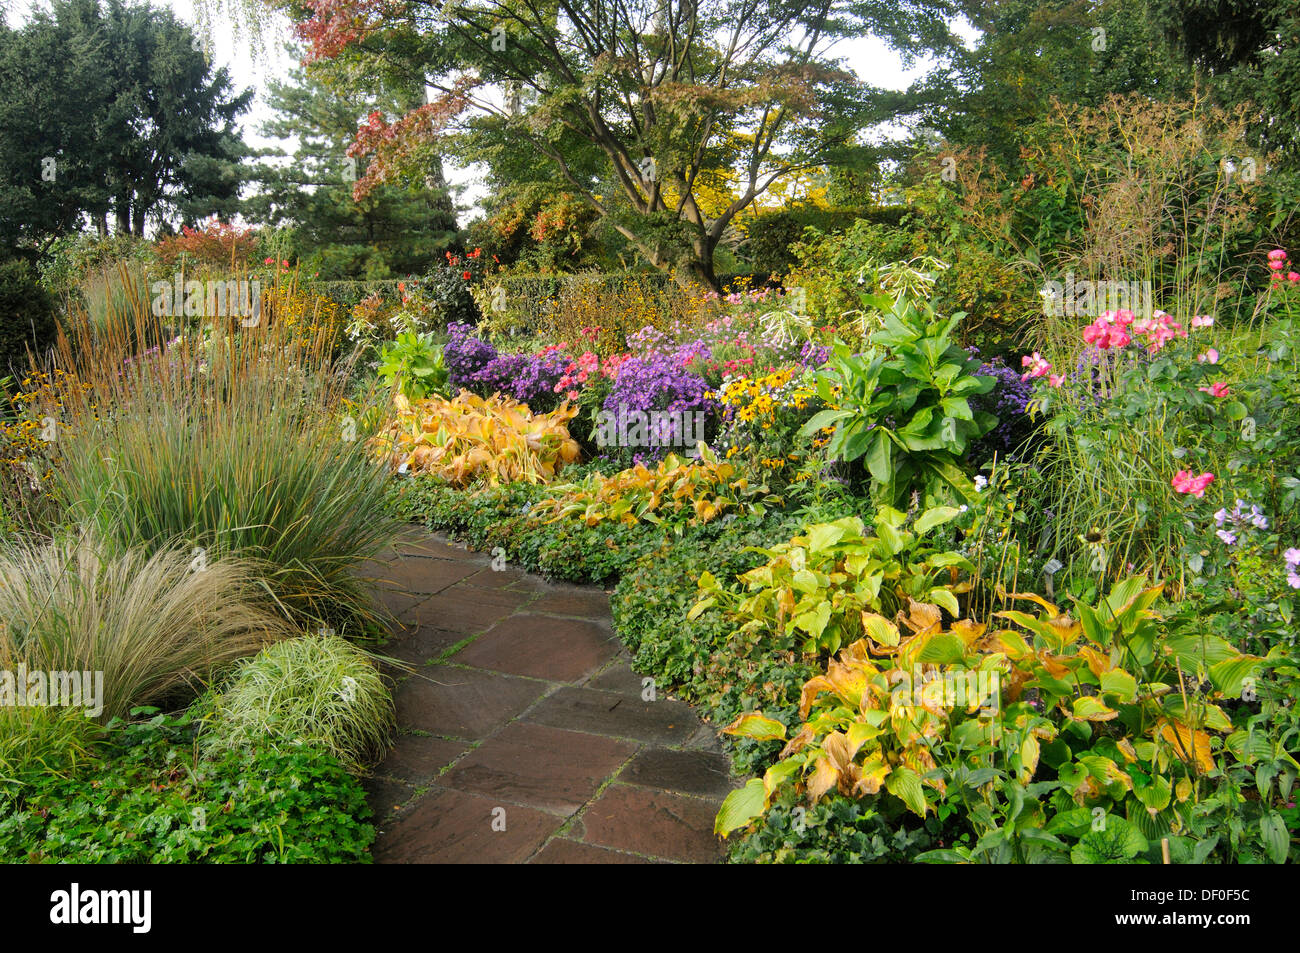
point(678, 492)
point(472, 439)
point(1091, 739)
point(828, 586)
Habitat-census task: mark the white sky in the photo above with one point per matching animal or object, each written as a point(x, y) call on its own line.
point(871, 59)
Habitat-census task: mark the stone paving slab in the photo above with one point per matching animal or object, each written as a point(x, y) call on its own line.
point(525, 736)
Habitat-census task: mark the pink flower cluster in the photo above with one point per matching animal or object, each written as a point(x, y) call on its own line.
point(1186, 482)
point(584, 368)
point(1039, 367)
point(1116, 329)
point(1277, 263)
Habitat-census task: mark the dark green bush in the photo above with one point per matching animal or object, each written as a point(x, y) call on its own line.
point(26, 316)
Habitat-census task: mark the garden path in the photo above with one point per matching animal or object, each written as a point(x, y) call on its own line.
point(523, 713)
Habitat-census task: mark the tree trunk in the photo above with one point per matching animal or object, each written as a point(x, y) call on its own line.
point(698, 272)
point(122, 211)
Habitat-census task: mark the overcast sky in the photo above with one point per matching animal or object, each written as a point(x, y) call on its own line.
point(871, 59)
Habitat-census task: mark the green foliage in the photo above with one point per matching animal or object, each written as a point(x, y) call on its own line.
point(1078, 735)
point(834, 831)
point(41, 743)
point(771, 237)
point(26, 316)
point(829, 584)
point(397, 230)
point(137, 121)
point(413, 365)
point(151, 801)
point(317, 690)
point(903, 407)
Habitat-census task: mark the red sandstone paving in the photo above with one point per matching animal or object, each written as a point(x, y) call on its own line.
point(539, 716)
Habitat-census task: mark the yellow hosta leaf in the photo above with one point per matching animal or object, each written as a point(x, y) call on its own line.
point(1191, 746)
point(1090, 708)
point(880, 629)
point(823, 778)
point(755, 725)
point(1028, 759)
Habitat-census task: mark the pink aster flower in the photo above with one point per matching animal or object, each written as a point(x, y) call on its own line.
point(1217, 389)
point(1211, 356)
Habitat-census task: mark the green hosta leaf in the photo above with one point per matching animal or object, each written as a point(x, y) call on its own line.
point(1090, 708)
point(814, 622)
point(1156, 795)
point(741, 807)
point(1119, 683)
point(946, 600)
point(942, 650)
point(805, 581)
point(1118, 843)
point(823, 536)
point(1229, 675)
point(1277, 842)
point(905, 784)
point(880, 629)
point(936, 516)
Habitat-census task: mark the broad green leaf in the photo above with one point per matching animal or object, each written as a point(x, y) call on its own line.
point(905, 784)
point(935, 516)
point(741, 807)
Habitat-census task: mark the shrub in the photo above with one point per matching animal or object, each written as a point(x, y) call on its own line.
point(26, 316)
point(318, 690)
point(153, 623)
point(214, 244)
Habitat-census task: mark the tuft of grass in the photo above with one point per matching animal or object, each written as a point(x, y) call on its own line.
point(152, 623)
point(234, 440)
point(40, 743)
point(317, 689)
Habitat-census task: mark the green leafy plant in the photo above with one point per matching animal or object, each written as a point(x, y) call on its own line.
point(148, 799)
point(827, 586)
point(903, 406)
point(413, 364)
